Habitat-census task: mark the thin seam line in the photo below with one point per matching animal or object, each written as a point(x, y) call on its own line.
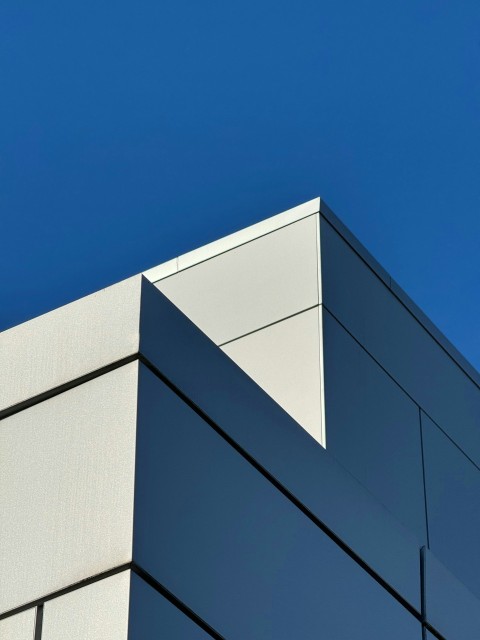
point(270, 324)
point(61, 592)
point(263, 235)
point(400, 386)
point(66, 386)
point(424, 476)
point(280, 487)
point(38, 622)
point(433, 631)
point(403, 303)
point(172, 598)
point(423, 585)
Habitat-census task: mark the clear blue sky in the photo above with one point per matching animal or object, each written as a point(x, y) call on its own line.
point(133, 132)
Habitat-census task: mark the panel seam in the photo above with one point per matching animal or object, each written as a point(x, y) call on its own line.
point(66, 386)
point(39, 602)
point(38, 622)
point(266, 326)
point(399, 385)
point(405, 305)
point(424, 475)
point(281, 488)
point(172, 598)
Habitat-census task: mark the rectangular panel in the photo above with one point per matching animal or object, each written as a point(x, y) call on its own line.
point(450, 607)
point(69, 342)
point(153, 617)
point(453, 498)
point(259, 425)
point(373, 428)
point(18, 627)
point(248, 234)
point(228, 544)
point(251, 286)
point(284, 359)
point(66, 487)
point(379, 321)
point(98, 611)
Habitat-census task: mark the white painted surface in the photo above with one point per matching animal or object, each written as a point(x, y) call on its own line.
point(249, 233)
point(66, 487)
point(162, 270)
point(98, 611)
point(18, 627)
point(69, 342)
point(284, 359)
point(251, 286)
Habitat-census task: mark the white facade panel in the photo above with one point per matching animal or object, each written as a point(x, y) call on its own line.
point(66, 487)
point(284, 359)
point(69, 342)
point(19, 627)
point(98, 611)
point(251, 286)
point(248, 234)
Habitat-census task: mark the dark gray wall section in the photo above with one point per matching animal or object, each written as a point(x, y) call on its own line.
point(252, 419)
point(379, 321)
point(453, 505)
point(451, 609)
point(224, 540)
point(152, 617)
point(373, 428)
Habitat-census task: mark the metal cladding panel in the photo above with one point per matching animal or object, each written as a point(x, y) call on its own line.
point(222, 538)
point(453, 495)
point(248, 234)
point(66, 487)
point(396, 339)
point(21, 626)
point(451, 608)
point(69, 342)
point(98, 611)
point(373, 427)
point(259, 425)
point(153, 617)
point(251, 286)
point(284, 359)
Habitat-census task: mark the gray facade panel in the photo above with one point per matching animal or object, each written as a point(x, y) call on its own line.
point(67, 470)
point(373, 428)
point(98, 611)
point(261, 428)
point(19, 627)
point(450, 607)
point(453, 490)
point(153, 617)
point(224, 540)
point(250, 286)
point(381, 323)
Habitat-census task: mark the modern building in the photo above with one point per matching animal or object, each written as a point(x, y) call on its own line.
point(263, 439)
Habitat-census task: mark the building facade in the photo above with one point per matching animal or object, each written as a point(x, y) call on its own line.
point(262, 439)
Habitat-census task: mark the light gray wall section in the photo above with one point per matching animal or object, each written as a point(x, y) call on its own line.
point(98, 611)
point(451, 608)
point(285, 360)
point(254, 421)
point(18, 627)
point(392, 335)
point(251, 286)
point(373, 427)
point(237, 551)
point(66, 487)
point(453, 500)
point(69, 342)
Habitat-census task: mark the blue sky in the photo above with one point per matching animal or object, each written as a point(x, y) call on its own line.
point(133, 132)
